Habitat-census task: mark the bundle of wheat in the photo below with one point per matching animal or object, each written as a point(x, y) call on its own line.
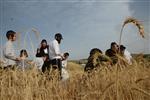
point(135, 22)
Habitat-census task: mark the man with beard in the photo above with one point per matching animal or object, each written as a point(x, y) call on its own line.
point(55, 54)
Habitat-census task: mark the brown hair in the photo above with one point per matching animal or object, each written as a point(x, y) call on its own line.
point(23, 51)
point(10, 33)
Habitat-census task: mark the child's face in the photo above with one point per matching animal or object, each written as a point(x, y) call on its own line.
point(65, 57)
point(24, 55)
point(14, 37)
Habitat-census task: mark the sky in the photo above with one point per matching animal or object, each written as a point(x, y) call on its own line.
point(84, 24)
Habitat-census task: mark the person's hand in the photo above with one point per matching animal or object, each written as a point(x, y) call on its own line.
point(18, 59)
point(44, 58)
point(62, 58)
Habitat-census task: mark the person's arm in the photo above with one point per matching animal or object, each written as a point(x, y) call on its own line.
point(38, 52)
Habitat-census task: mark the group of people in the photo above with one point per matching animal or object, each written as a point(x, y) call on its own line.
point(111, 55)
point(48, 56)
point(118, 49)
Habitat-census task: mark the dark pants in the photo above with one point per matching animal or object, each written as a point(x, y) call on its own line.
point(9, 67)
point(46, 66)
point(56, 64)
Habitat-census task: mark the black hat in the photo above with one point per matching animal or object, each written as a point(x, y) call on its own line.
point(58, 35)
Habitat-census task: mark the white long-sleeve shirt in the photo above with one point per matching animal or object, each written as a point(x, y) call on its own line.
point(128, 56)
point(65, 74)
point(54, 50)
point(9, 54)
point(64, 63)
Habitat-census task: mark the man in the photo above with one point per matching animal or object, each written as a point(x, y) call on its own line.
point(112, 52)
point(55, 54)
point(9, 51)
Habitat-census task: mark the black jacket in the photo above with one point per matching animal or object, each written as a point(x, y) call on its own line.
point(41, 53)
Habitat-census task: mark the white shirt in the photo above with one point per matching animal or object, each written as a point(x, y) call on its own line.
point(54, 50)
point(128, 56)
point(23, 64)
point(46, 51)
point(9, 54)
point(65, 74)
point(38, 62)
point(64, 63)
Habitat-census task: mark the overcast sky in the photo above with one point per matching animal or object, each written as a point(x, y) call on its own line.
point(84, 24)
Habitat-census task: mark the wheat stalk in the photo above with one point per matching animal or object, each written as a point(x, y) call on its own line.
point(18, 39)
point(141, 90)
point(36, 32)
point(136, 23)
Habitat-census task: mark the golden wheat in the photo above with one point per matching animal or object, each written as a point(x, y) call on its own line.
point(136, 23)
point(133, 83)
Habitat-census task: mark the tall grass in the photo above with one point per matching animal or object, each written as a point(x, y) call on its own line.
point(118, 82)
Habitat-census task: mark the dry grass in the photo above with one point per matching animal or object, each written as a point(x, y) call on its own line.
point(118, 82)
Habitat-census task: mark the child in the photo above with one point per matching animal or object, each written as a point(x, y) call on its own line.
point(64, 72)
point(9, 50)
point(23, 63)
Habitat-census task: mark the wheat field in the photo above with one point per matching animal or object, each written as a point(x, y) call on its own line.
point(118, 82)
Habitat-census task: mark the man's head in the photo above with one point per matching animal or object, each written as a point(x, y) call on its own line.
point(58, 37)
point(11, 35)
point(114, 46)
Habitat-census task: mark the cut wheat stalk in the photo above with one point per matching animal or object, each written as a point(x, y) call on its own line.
point(134, 22)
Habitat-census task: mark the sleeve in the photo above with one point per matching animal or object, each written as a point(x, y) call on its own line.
point(56, 48)
point(8, 52)
point(38, 52)
point(106, 53)
point(64, 63)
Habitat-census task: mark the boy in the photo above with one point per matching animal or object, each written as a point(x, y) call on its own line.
point(64, 72)
point(9, 50)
